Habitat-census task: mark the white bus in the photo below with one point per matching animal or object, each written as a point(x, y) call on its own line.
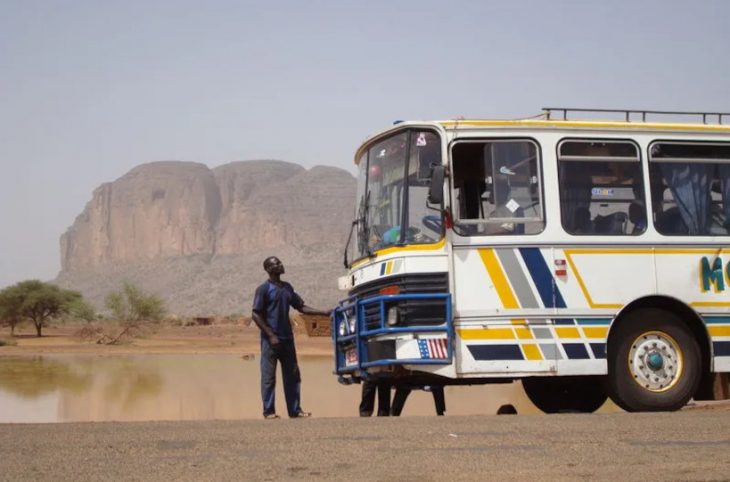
point(590, 259)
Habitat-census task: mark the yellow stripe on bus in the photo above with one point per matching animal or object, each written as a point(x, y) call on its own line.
point(569, 253)
point(567, 332)
point(504, 291)
point(719, 330)
point(517, 123)
point(487, 334)
point(400, 249)
point(710, 304)
point(595, 332)
point(524, 333)
point(532, 352)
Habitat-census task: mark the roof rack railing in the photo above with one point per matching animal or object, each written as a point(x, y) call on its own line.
point(549, 112)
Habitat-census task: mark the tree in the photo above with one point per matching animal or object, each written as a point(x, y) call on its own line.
point(116, 302)
point(132, 304)
point(37, 301)
point(10, 308)
point(82, 310)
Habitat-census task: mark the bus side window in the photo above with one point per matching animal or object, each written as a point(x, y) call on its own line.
point(601, 187)
point(690, 184)
point(496, 188)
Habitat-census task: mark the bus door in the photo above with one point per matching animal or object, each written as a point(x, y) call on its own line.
point(504, 296)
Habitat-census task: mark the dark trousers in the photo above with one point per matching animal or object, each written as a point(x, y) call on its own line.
point(285, 353)
point(401, 395)
point(367, 402)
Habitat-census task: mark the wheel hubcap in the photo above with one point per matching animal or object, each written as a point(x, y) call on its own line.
point(655, 361)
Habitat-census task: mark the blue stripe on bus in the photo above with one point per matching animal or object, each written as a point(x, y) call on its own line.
point(576, 351)
point(382, 269)
point(594, 321)
point(496, 352)
point(564, 321)
point(721, 348)
point(599, 350)
point(543, 279)
point(717, 319)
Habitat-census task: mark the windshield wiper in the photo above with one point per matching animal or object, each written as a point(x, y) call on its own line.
point(349, 238)
point(362, 230)
point(365, 231)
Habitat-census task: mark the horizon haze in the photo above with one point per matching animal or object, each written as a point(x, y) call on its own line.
point(91, 90)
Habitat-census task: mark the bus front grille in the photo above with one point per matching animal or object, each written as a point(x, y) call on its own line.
point(411, 312)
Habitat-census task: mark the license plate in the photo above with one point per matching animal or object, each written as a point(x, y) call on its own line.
point(351, 357)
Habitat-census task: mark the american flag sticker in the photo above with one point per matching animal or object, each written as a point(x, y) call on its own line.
point(433, 348)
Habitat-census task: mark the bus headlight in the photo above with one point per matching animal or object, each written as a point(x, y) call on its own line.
point(351, 325)
point(341, 329)
point(393, 316)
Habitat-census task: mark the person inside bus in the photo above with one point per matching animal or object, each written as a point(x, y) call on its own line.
point(582, 221)
point(637, 216)
point(614, 223)
point(667, 219)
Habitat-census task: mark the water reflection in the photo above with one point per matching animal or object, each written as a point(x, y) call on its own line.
point(130, 382)
point(67, 388)
point(30, 378)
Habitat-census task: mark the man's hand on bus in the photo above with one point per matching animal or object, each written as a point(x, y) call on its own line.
point(308, 310)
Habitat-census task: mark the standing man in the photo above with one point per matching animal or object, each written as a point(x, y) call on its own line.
point(402, 392)
point(271, 314)
point(367, 402)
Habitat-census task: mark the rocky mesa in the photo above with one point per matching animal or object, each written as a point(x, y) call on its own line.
point(197, 236)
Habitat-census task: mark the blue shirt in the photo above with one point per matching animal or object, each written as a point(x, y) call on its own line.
point(272, 302)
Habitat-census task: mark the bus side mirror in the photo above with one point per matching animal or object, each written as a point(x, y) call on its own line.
point(436, 190)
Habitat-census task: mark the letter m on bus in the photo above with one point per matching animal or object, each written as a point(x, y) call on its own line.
point(712, 276)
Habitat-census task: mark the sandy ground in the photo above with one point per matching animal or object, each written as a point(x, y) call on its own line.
point(682, 446)
point(220, 338)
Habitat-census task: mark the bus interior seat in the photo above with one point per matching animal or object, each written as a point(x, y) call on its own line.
point(670, 222)
point(637, 217)
point(582, 221)
point(611, 224)
point(472, 191)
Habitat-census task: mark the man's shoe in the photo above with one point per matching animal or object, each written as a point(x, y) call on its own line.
point(301, 414)
point(271, 416)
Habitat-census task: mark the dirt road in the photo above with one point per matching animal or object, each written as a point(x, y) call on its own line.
point(687, 445)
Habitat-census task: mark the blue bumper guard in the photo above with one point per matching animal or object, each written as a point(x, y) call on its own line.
point(351, 348)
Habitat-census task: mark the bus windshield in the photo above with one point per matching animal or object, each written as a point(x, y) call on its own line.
point(393, 184)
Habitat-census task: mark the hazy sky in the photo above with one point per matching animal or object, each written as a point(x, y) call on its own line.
point(89, 89)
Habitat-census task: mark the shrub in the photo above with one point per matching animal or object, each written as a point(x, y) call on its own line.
point(132, 304)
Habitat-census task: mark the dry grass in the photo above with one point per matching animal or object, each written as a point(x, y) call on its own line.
point(167, 337)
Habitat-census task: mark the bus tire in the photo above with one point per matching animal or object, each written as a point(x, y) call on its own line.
point(654, 362)
point(583, 394)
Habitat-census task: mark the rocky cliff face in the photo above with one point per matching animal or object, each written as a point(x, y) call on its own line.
point(155, 210)
point(197, 236)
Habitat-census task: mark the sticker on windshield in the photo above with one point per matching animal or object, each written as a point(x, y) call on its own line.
point(421, 140)
point(506, 170)
point(512, 205)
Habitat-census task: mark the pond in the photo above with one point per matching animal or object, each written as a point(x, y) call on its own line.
point(75, 388)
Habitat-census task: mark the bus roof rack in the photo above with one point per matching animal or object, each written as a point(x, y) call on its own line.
point(549, 112)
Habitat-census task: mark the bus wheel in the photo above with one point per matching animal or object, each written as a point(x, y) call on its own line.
point(584, 394)
point(654, 362)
